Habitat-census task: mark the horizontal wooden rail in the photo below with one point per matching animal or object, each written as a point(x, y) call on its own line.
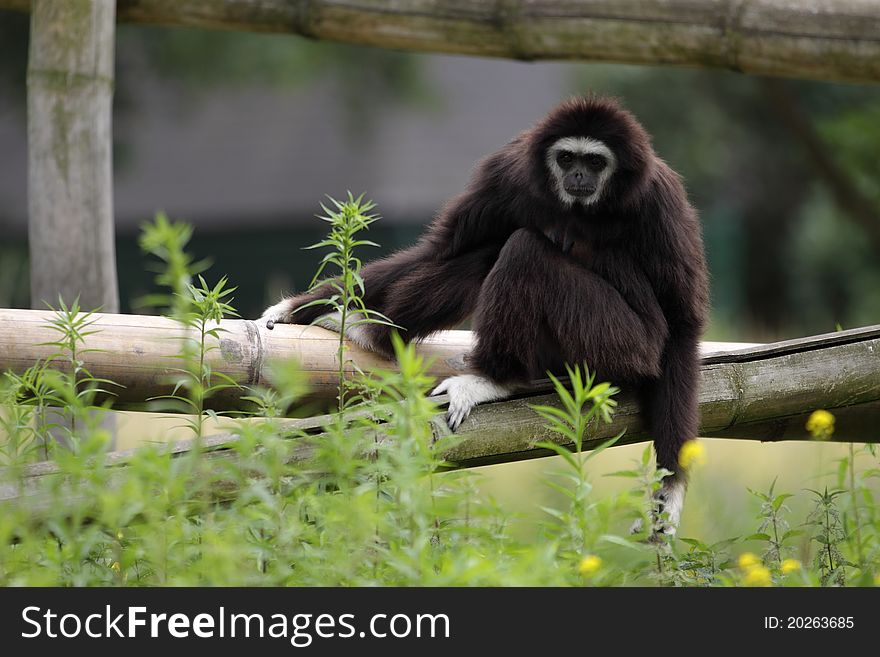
point(140, 352)
point(837, 40)
point(760, 392)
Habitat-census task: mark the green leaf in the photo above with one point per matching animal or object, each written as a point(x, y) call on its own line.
point(622, 542)
point(624, 473)
point(779, 499)
point(561, 451)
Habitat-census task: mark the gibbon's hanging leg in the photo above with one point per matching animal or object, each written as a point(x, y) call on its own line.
point(538, 310)
point(671, 408)
point(417, 289)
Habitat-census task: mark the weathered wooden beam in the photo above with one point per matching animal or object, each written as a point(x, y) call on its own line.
point(480, 446)
point(140, 352)
point(758, 393)
point(761, 392)
point(70, 145)
point(792, 38)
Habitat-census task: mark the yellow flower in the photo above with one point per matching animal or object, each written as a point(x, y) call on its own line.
point(790, 566)
point(115, 566)
point(119, 535)
point(757, 576)
point(589, 564)
point(691, 453)
point(747, 561)
point(820, 424)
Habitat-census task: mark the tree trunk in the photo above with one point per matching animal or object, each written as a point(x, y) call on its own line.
point(70, 181)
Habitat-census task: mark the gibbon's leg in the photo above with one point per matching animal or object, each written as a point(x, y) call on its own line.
point(538, 309)
point(671, 406)
point(414, 288)
point(533, 293)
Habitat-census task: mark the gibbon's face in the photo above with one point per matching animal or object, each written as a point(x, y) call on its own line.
point(580, 168)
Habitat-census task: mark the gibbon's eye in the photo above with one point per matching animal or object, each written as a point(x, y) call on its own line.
point(596, 162)
point(565, 159)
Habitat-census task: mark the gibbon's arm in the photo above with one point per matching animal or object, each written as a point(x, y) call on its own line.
point(430, 286)
point(485, 214)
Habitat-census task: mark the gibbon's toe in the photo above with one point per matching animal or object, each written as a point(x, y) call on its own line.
point(636, 527)
point(665, 519)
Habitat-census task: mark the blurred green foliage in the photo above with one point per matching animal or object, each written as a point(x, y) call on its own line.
point(787, 253)
point(202, 60)
point(362, 500)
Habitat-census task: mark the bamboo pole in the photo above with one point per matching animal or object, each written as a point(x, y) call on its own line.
point(837, 40)
point(741, 383)
point(761, 392)
point(140, 353)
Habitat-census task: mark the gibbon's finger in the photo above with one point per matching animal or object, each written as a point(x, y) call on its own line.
point(440, 389)
point(276, 314)
point(455, 417)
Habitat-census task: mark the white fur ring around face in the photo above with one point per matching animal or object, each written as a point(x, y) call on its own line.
point(466, 391)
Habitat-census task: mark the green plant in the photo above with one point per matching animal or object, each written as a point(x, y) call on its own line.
point(774, 529)
point(167, 241)
point(702, 563)
point(586, 403)
point(60, 389)
point(196, 381)
point(857, 520)
point(362, 497)
point(347, 220)
point(829, 534)
point(198, 308)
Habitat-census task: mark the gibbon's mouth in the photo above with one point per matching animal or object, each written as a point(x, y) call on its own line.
point(580, 191)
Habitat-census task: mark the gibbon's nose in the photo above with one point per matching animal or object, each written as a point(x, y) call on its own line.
point(579, 183)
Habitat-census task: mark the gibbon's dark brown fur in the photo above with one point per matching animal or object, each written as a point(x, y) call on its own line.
point(629, 298)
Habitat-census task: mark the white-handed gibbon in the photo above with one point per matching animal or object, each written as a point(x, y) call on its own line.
point(575, 243)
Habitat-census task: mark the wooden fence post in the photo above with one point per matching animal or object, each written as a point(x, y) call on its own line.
point(70, 144)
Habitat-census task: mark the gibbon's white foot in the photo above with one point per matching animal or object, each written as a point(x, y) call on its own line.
point(670, 498)
point(280, 313)
point(466, 391)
